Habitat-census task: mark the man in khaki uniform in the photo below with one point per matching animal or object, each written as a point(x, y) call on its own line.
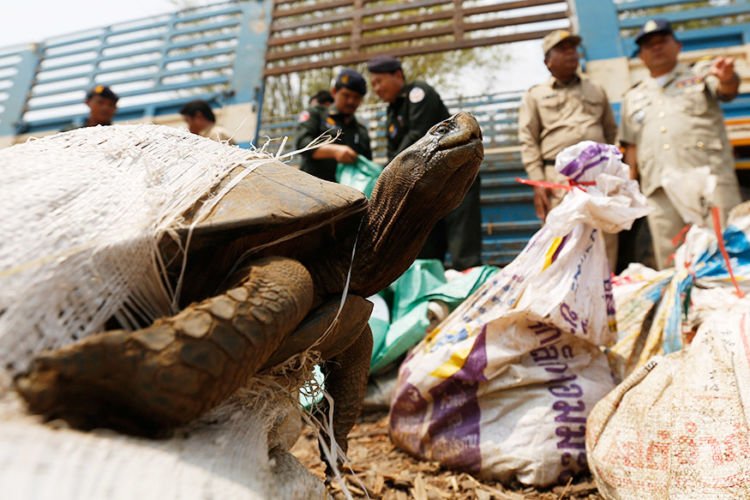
point(671, 121)
point(563, 111)
point(201, 120)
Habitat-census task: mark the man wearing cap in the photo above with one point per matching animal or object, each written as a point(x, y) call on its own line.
point(672, 123)
point(348, 90)
point(413, 108)
point(563, 111)
point(102, 103)
point(321, 98)
point(200, 120)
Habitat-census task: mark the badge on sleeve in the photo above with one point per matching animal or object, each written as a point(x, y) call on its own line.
point(392, 130)
point(303, 117)
point(416, 95)
point(330, 122)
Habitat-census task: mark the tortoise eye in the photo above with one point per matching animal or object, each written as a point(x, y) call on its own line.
point(442, 130)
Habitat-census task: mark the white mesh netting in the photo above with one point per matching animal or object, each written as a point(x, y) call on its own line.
point(236, 451)
point(80, 217)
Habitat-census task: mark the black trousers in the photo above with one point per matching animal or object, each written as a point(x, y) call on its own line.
point(459, 233)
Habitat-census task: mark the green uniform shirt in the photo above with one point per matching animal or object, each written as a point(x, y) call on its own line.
point(676, 123)
point(417, 108)
point(319, 120)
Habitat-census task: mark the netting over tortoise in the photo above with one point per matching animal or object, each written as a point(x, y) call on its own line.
point(80, 217)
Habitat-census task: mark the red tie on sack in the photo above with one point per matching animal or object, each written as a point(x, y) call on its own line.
point(553, 185)
point(716, 219)
point(717, 227)
point(675, 241)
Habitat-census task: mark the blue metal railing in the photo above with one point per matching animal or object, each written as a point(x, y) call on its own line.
point(155, 65)
point(609, 27)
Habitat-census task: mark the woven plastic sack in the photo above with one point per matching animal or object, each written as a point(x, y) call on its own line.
point(503, 386)
point(656, 311)
point(361, 175)
point(678, 426)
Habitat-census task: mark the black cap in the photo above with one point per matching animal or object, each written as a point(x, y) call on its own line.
point(383, 64)
point(352, 80)
point(652, 27)
point(103, 91)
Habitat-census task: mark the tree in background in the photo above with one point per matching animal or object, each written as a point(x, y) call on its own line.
point(288, 94)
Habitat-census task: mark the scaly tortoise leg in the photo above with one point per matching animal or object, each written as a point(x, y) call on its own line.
point(311, 331)
point(173, 371)
point(346, 382)
point(346, 348)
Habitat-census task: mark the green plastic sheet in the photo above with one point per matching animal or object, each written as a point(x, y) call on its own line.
point(361, 175)
point(422, 282)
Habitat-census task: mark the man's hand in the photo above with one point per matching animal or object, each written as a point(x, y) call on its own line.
point(345, 154)
point(338, 152)
point(729, 83)
point(723, 69)
point(541, 202)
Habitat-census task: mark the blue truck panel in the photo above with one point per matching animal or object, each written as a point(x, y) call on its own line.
point(155, 65)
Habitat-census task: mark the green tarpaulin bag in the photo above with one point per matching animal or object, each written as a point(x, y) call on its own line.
point(362, 175)
point(422, 282)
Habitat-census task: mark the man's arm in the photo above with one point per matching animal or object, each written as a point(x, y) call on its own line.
point(628, 139)
point(529, 133)
point(365, 145)
point(338, 152)
point(308, 129)
point(422, 116)
point(630, 157)
point(609, 125)
point(729, 80)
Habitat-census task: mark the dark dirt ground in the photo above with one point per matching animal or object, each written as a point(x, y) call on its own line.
point(379, 470)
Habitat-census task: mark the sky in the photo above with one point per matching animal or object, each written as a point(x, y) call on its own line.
point(27, 21)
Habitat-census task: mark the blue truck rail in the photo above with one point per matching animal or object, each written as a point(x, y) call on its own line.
point(155, 64)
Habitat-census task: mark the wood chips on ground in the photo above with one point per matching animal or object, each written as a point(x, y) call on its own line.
point(379, 470)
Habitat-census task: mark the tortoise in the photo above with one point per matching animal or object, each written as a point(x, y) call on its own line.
point(264, 281)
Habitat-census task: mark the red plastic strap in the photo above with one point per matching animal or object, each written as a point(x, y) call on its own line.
point(553, 185)
point(677, 240)
point(723, 249)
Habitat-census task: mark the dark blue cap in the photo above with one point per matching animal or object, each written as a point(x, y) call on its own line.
point(103, 91)
point(352, 80)
point(383, 64)
point(652, 27)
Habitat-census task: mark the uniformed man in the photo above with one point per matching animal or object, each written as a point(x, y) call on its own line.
point(672, 120)
point(321, 98)
point(200, 120)
point(348, 90)
point(102, 103)
point(563, 111)
point(413, 108)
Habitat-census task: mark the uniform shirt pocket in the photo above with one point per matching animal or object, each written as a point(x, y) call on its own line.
point(550, 107)
point(637, 115)
point(593, 105)
point(695, 100)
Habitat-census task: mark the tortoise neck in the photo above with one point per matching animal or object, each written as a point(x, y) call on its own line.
point(392, 233)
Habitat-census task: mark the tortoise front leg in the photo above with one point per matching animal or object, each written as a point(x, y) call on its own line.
point(346, 382)
point(311, 333)
point(173, 371)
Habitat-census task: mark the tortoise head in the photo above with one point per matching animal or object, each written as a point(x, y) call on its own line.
point(436, 171)
point(417, 189)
